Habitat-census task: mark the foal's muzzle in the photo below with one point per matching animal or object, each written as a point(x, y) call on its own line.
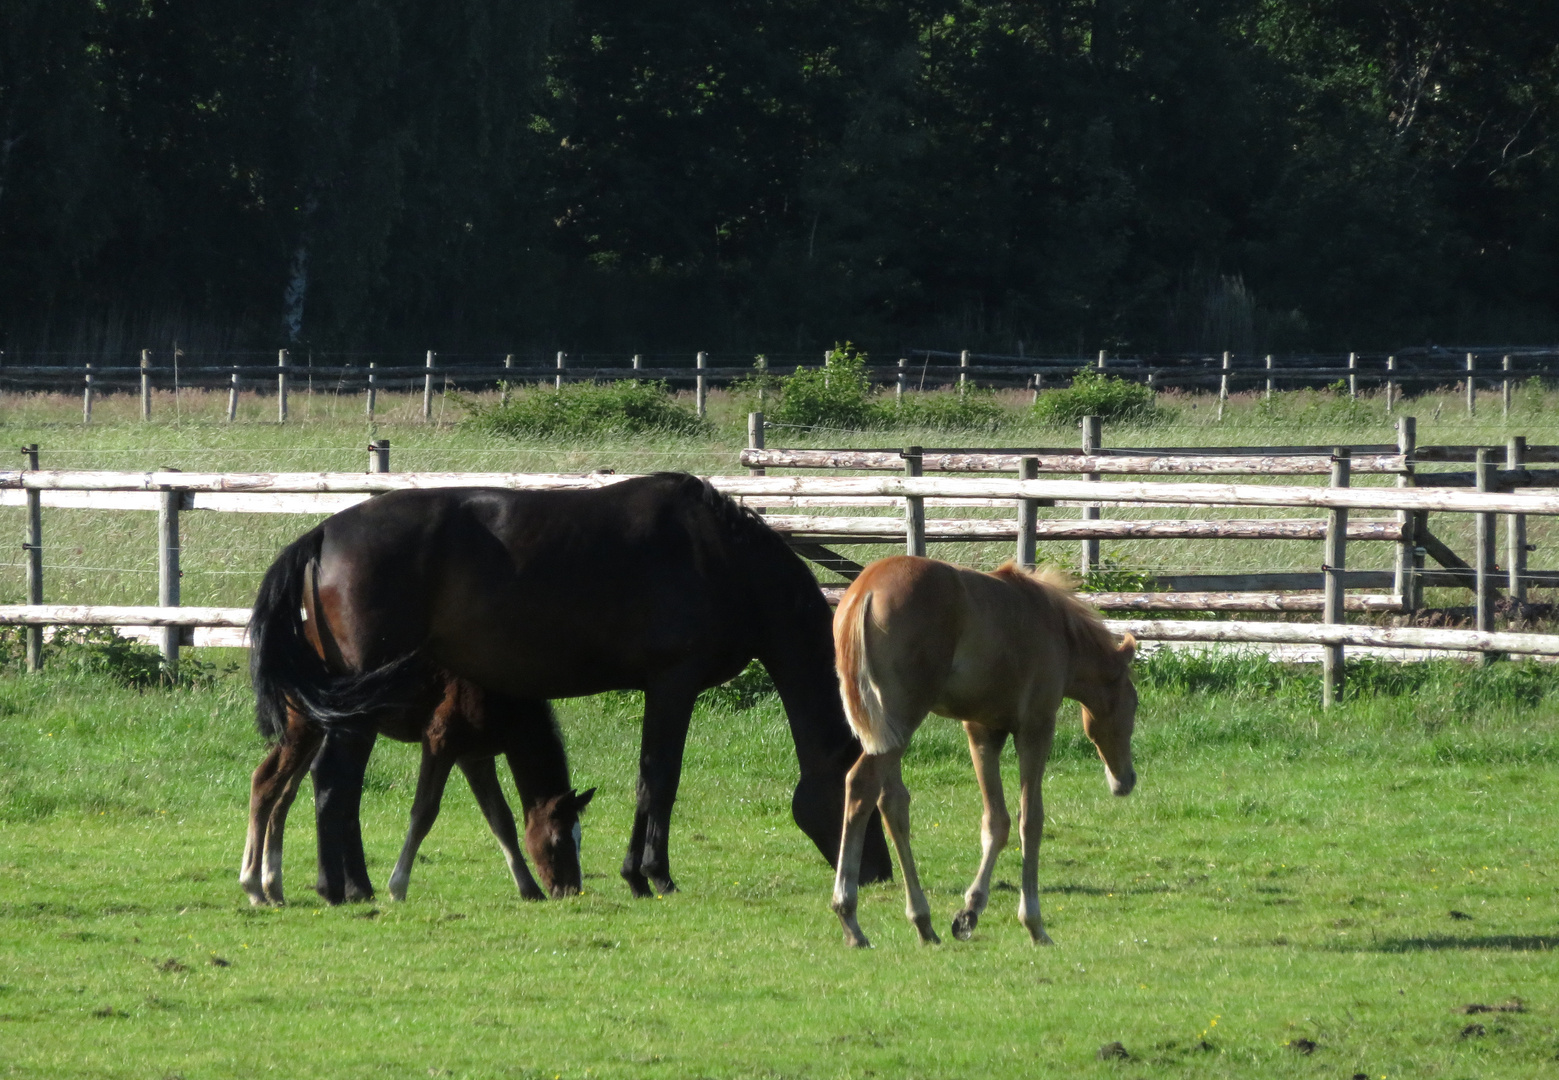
point(1122, 785)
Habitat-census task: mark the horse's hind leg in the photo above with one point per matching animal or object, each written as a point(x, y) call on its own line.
point(894, 804)
point(1033, 753)
point(432, 775)
point(985, 751)
point(338, 796)
point(482, 775)
point(260, 799)
point(862, 787)
point(271, 791)
point(295, 761)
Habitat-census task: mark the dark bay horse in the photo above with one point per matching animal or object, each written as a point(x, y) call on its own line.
point(458, 724)
point(998, 651)
point(655, 583)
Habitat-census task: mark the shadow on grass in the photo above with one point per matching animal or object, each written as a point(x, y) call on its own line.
point(1498, 942)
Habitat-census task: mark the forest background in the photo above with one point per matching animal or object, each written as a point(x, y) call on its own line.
point(746, 174)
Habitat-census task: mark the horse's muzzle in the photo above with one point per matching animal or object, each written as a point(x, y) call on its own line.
point(1122, 785)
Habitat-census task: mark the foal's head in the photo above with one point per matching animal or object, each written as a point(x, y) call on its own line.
point(1109, 700)
point(552, 838)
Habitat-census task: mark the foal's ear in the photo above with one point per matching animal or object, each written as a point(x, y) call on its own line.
point(582, 800)
point(1128, 648)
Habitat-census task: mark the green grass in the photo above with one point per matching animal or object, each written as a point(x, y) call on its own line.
point(1278, 875)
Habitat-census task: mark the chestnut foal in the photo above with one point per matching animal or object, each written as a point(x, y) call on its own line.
point(997, 651)
point(458, 723)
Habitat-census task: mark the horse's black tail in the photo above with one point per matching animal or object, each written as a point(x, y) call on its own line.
point(284, 667)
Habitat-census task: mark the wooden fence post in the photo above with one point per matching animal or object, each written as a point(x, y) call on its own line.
point(1405, 578)
point(1391, 383)
point(1504, 388)
point(755, 439)
point(898, 391)
point(1472, 388)
point(700, 392)
point(33, 546)
point(1028, 515)
point(1516, 527)
point(281, 386)
point(1332, 671)
point(963, 370)
point(168, 574)
point(638, 362)
point(1484, 567)
point(1103, 356)
point(379, 456)
point(1223, 386)
point(86, 398)
point(372, 396)
point(508, 365)
point(1353, 376)
point(557, 379)
point(146, 384)
point(914, 507)
point(1093, 436)
point(1269, 377)
point(232, 396)
point(763, 378)
point(427, 389)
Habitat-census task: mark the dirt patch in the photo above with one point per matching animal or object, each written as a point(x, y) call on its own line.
point(1114, 1052)
point(171, 966)
point(1474, 1031)
point(1460, 915)
point(1514, 1005)
point(1303, 1046)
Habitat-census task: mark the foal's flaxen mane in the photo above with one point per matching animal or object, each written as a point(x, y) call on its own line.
point(1081, 624)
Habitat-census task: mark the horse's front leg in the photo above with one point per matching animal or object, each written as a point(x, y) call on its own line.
point(338, 796)
point(995, 826)
point(432, 774)
point(862, 788)
point(1033, 752)
point(667, 710)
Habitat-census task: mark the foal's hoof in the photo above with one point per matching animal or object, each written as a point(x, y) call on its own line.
point(927, 935)
point(964, 923)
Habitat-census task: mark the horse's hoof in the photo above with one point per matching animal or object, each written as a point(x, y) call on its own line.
point(532, 894)
point(638, 884)
point(964, 923)
point(856, 940)
point(664, 885)
point(927, 935)
point(1042, 938)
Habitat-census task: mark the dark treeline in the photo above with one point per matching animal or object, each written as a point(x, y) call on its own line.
point(732, 174)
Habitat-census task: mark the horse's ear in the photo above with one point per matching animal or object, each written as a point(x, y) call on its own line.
point(1128, 648)
point(582, 800)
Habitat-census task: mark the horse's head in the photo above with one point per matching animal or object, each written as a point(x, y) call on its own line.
point(552, 838)
point(1109, 700)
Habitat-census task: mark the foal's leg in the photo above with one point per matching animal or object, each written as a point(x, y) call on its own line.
point(985, 751)
point(482, 775)
point(894, 804)
point(338, 796)
point(862, 786)
point(295, 761)
point(432, 774)
point(254, 844)
point(667, 710)
point(1033, 752)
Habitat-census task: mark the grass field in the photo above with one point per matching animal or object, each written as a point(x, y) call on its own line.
point(1281, 877)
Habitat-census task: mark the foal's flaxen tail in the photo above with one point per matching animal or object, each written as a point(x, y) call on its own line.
point(863, 705)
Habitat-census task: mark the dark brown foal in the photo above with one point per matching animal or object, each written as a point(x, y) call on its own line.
point(464, 725)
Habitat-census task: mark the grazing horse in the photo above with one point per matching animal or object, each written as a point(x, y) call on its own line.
point(997, 651)
point(457, 723)
point(654, 583)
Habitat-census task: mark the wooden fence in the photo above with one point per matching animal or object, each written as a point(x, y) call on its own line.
point(1489, 368)
point(1409, 531)
point(170, 493)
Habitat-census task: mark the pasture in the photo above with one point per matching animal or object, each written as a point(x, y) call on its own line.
point(1286, 893)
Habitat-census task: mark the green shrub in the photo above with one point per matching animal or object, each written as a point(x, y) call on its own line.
point(1094, 393)
point(970, 409)
point(626, 407)
point(836, 395)
point(99, 650)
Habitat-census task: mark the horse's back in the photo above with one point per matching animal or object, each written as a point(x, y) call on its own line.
point(556, 593)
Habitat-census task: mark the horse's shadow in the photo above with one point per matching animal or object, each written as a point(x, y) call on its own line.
point(1447, 943)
